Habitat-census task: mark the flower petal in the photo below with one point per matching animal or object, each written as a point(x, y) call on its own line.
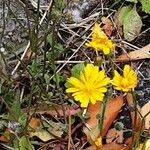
point(72, 90)
point(75, 82)
point(126, 70)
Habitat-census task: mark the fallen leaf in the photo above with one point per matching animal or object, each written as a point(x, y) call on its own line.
point(112, 109)
point(114, 135)
point(144, 111)
point(132, 25)
point(114, 146)
point(120, 15)
point(142, 53)
point(111, 146)
point(91, 148)
point(47, 131)
point(107, 26)
point(92, 130)
point(4, 137)
point(111, 135)
point(147, 144)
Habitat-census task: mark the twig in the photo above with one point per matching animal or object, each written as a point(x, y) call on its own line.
point(27, 47)
point(69, 132)
point(70, 62)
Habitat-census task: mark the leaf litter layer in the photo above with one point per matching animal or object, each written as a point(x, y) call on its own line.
point(35, 109)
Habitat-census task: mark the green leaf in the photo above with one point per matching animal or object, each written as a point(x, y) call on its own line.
point(22, 119)
point(60, 4)
point(50, 39)
point(68, 85)
point(59, 47)
point(122, 13)
point(9, 97)
point(24, 144)
point(75, 71)
point(16, 109)
point(47, 78)
point(60, 78)
point(132, 25)
point(146, 5)
point(34, 68)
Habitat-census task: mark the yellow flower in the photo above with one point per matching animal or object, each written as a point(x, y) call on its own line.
point(90, 87)
point(98, 143)
point(100, 41)
point(126, 82)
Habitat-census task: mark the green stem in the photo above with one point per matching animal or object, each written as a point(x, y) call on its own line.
point(102, 111)
point(135, 118)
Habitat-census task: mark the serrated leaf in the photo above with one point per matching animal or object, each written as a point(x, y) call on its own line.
point(132, 25)
point(122, 13)
point(146, 5)
point(75, 71)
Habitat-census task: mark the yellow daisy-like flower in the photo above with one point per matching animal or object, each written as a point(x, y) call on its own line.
point(90, 86)
point(126, 82)
point(98, 143)
point(100, 41)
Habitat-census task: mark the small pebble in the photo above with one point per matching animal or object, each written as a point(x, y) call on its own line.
point(2, 49)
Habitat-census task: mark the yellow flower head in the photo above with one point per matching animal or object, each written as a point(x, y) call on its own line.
point(90, 86)
point(98, 142)
point(126, 82)
point(100, 41)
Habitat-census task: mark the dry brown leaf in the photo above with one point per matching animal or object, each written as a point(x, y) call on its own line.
point(112, 109)
point(3, 138)
point(92, 123)
point(143, 53)
point(114, 146)
point(144, 111)
point(107, 26)
point(111, 146)
point(51, 131)
point(91, 148)
point(114, 135)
